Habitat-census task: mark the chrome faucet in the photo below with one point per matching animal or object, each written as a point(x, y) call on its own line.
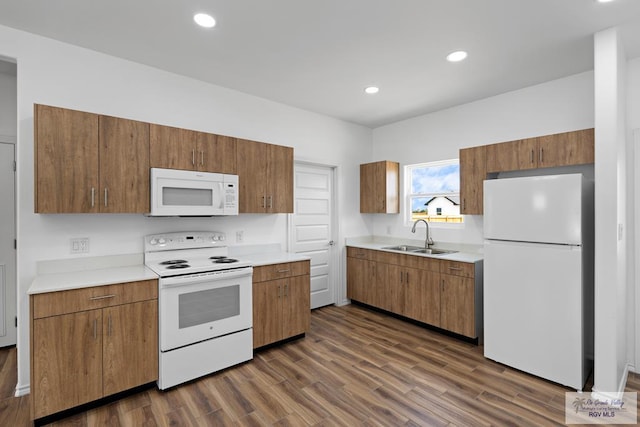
point(428, 241)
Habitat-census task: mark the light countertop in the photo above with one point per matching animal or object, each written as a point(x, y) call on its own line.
point(62, 281)
point(464, 252)
point(76, 273)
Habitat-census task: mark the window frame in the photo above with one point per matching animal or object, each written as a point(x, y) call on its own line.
point(408, 196)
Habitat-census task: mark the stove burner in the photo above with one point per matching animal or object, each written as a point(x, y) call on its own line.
point(225, 260)
point(177, 266)
point(173, 261)
point(217, 257)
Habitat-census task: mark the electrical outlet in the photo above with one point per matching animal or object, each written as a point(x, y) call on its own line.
point(80, 245)
point(239, 236)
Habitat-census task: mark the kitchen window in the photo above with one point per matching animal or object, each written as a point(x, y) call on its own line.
point(433, 191)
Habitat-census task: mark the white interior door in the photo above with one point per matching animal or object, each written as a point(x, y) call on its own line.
point(312, 228)
point(7, 249)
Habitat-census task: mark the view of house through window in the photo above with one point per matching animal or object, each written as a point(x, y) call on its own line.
point(433, 191)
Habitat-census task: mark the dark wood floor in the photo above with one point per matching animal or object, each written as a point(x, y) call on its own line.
point(355, 367)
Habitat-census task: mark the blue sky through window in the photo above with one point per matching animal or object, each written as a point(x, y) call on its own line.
point(437, 179)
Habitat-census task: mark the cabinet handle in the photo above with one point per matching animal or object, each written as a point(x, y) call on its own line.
point(93, 196)
point(202, 158)
point(455, 268)
point(401, 277)
point(264, 204)
point(109, 326)
point(106, 197)
point(464, 204)
point(407, 281)
point(532, 156)
point(542, 155)
point(270, 202)
point(95, 329)
point(443, 284)
point(286, 290)
point(101, 297)
point(193, 157)
point(383, 204)
point(279, 292)
point(283, 271)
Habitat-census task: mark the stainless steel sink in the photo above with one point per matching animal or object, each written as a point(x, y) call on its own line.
point(419, 250)
point(403, 248)
point(433, 251)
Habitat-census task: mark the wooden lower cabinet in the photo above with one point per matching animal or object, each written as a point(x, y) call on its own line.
point(445, 294)
point(281, 302)
point(91, 353)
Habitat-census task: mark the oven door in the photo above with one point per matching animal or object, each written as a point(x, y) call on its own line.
point(198, 307)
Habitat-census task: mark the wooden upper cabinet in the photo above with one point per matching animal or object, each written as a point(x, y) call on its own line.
point(473, 172)
point(514, 155)
point(568, 148)
point(87, 163)
point(176, 148)
point(216, 153)
point(280, 179)
point(66, 160)
point(172, 148)
point(124, 166)
point(380, 187)
point(560, 149)
point(265, 174)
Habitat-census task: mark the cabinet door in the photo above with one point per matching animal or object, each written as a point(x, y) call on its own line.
point(357, 272)
point(569, 148)
point(473, 172)
point(370, 200)
point(267, 312)
point(296, 308)
point(130, 346)
point(395, 292)
point(422, 297)
point(252, 175)
point(124, 166)
point(66, 160)
point(215, 153)
point(457, 305)
point(172, 148)
point(67, 361)
point(511, 156)
point(279, 191)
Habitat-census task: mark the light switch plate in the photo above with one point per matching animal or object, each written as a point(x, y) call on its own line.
point(79, 245)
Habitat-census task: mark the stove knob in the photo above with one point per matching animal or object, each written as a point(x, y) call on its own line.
point(221, 238)
point(161, 241)
point(216, 237)
point(153, 241)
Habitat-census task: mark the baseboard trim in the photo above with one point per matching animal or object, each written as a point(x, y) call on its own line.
point(22, 390)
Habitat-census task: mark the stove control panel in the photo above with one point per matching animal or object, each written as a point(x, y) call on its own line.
point(184, 240)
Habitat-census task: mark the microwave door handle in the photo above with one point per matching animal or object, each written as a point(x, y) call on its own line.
point(222, 195)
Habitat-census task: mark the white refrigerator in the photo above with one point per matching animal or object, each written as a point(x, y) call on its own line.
point(538, 275)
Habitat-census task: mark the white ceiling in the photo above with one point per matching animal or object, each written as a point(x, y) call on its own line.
point(320, 55)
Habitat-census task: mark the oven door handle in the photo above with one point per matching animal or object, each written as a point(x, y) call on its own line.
point(189, 279)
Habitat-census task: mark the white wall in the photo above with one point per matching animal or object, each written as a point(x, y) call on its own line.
point(50, 72)
point(557, 106)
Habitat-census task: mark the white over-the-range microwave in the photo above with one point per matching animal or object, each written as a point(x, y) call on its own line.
point(190, 193)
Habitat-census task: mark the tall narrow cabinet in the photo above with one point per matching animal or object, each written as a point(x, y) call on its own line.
point(380, 187)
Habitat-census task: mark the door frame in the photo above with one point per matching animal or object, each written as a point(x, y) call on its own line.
point(336, 265)
point(11, 140)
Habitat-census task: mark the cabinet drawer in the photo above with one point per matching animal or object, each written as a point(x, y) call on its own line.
point(358, 253)
point(456, 268)
point(279, 271)
point(75, 300)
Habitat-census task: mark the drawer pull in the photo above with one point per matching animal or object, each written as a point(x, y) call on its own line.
point(95, 329)
point(284, 271)
point(101, 297)
point(455, 268)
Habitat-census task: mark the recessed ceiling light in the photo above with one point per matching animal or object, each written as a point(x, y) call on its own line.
point(457, 56)
point(604, 1)
point(371, 90)
point(204, 20)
